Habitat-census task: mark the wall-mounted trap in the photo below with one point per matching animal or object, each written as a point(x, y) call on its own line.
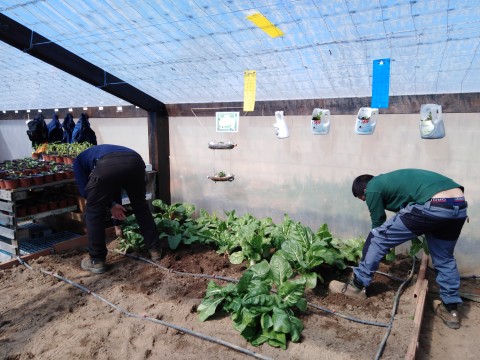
point(220, 145)
point(320, 122)
point(431, 122)
point(366, 121)
point(281, 128)
point(221, 176)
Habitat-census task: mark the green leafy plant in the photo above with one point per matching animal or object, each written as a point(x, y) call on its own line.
point(131, 240)
point(62, 149)
point(247, 239)
point(258, 313)
point(77, 148)
point(417, 244)
point(282, 262)
point(175, 222)
point(306, 250)
point(51, 148)
point(250, 240)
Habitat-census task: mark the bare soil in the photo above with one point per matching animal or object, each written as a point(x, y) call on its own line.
point(42, 317)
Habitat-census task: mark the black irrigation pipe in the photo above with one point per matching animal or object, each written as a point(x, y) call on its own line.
point(219, 341)
point(205, 276)
point(133, 315)
point(332, 312)
point(351, 318)
point(393, 277)
point(470, 277)
point(388, 325)
point(394, 311)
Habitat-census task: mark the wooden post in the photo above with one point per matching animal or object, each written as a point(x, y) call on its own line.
point(159, 152)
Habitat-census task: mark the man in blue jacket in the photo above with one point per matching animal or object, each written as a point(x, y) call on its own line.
point(101, 172)
point(426, 203)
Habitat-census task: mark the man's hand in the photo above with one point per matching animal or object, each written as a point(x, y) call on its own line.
point(118, 212)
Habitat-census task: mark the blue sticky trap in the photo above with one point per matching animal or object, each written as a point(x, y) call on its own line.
point(380, 83)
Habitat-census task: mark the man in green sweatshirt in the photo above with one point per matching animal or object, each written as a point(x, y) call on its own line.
point(425, 203)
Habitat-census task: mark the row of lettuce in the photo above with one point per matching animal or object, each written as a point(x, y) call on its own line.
point(282, 261)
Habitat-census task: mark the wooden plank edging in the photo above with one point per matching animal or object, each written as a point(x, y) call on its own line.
point(420, 295)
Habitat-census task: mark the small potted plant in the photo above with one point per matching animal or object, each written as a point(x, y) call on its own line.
point(25, 180)
point(11, 181)
point(222, 176)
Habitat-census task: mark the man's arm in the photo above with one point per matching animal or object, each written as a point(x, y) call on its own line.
point(377, 211)
point(81, 177)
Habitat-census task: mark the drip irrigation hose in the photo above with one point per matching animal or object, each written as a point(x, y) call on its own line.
point(470, 277)
point(205, 276)
point(394, 310)
point(332, 312)
point(133, 315)
point(393, 277)
point(365, 322)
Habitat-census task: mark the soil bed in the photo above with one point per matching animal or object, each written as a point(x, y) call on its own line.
point(42, 317)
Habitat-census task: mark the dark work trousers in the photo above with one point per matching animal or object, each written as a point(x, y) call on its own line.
point(440, 221)
point(113, 172)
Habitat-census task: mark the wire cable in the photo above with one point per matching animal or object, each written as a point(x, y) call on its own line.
point(394, 311)
point(388, 325)
point(332, 312)
point(137, 316)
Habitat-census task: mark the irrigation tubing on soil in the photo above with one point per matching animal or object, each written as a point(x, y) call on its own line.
point(394, 310)
point(133, 315)
point(388, 325)
point(332, 312)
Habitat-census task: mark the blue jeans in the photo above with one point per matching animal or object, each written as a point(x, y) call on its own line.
point(441, 225)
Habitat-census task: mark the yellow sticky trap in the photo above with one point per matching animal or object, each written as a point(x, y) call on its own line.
point(263, 23)
point(249, 89)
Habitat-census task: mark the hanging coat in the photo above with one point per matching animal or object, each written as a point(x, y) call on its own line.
point(37, 130)
point(68, 126)
point(55, 130)
point(83, 132)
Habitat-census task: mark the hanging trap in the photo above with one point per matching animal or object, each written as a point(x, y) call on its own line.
point(222, 177)
point(220, 145)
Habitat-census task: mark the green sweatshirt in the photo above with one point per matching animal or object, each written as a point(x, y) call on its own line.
point(395, 190)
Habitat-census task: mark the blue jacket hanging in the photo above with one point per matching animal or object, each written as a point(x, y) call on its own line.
point(55, 130)
point(68, 126)
point(83, 132)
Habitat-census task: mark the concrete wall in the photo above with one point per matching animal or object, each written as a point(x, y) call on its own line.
point(305, 176)
point(309, 176)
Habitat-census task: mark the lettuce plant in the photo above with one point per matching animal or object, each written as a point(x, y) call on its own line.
point(260, 314)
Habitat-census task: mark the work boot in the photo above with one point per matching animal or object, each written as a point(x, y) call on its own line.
point(155, 254)
point(449, 317)
point(348, 289)
point(95, 266)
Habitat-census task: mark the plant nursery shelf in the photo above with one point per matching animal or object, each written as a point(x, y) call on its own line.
point(21, 192)
point(10, 220)
point(28, 204)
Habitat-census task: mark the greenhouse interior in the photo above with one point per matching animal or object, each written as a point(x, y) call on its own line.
point(252, 120)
